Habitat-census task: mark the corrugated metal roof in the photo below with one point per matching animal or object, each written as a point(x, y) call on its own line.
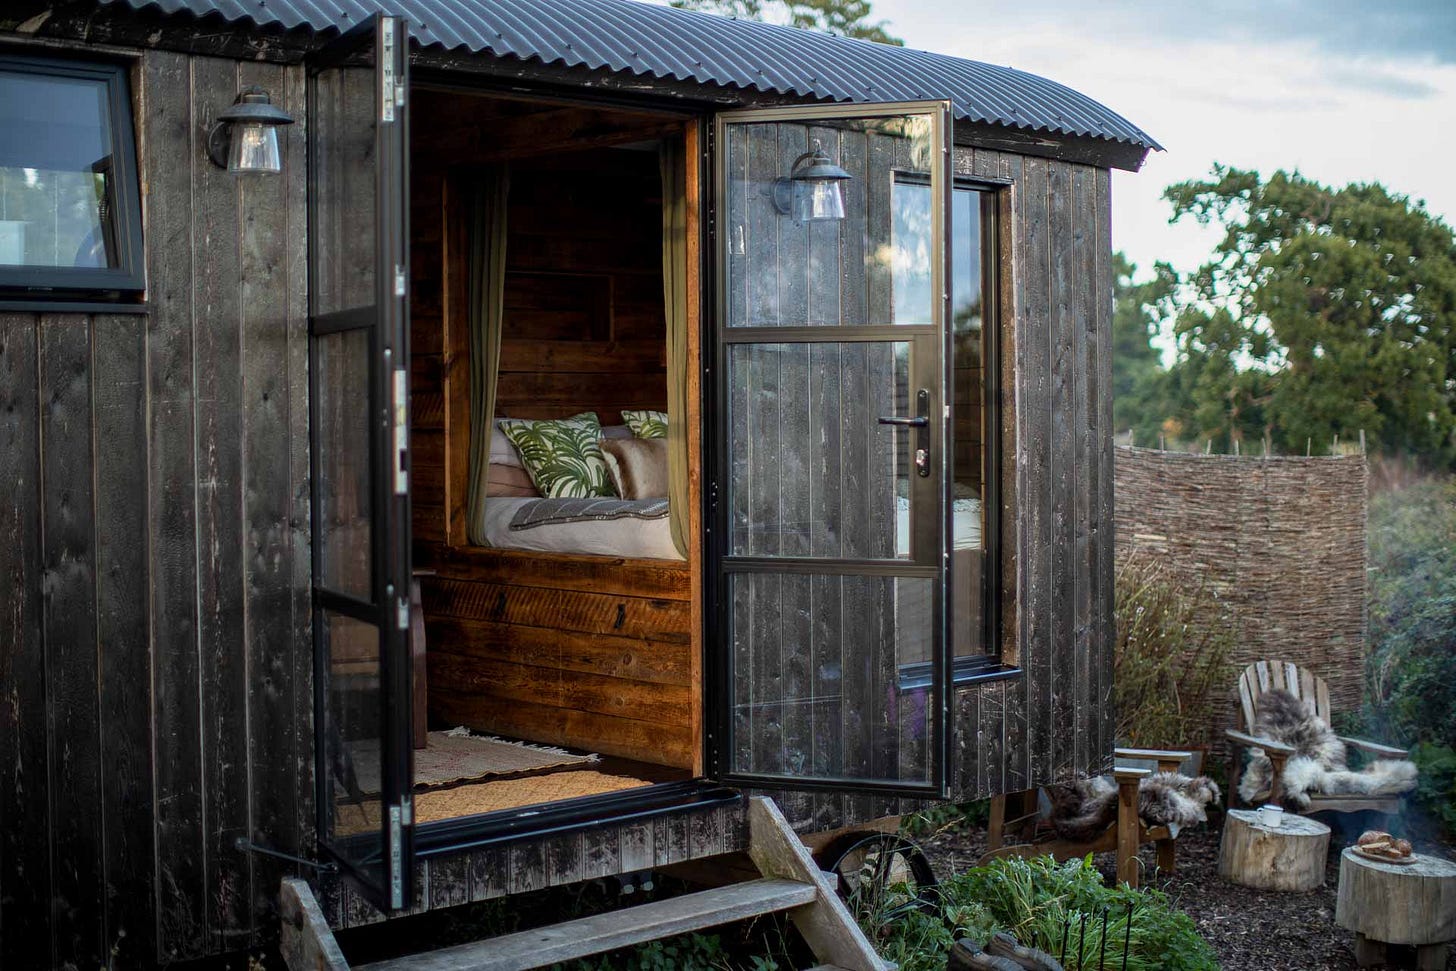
point(643, 38)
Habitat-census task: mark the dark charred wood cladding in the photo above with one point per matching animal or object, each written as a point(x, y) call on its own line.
point(1009, 734)
point(156, 675)
point(539, 861)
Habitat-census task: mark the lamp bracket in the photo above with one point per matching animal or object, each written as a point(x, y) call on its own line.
point(219, 141)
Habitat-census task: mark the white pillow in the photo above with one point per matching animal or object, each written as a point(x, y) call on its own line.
point(502, 452)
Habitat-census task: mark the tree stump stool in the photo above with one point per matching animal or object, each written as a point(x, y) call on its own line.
point(1391, 903)
point(1291, 857)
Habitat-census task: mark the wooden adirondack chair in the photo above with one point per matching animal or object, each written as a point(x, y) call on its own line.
point(1123, 837)
point(1262, 676)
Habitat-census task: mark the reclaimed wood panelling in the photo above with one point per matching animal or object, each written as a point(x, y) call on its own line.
point(157, 672)
point(563, 650)
point(532, 863)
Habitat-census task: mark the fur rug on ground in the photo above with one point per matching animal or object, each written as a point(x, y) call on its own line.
point(1084, 807)
point(1319, 763)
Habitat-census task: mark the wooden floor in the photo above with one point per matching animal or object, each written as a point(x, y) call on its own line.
point(611, 774)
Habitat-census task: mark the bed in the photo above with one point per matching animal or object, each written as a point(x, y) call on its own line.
point(635, 529)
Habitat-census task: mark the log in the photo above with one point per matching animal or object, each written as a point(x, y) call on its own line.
point(1390, 903)
point(1290, 858)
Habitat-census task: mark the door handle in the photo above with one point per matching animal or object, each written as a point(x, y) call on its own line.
point(921, 422)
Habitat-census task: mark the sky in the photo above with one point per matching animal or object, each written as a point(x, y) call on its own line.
point(1342, 90)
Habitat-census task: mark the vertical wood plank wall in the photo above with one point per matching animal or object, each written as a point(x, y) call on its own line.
point(1056, 295)
point(156, 673)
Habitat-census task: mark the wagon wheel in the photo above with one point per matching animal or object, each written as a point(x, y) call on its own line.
point(882, 876)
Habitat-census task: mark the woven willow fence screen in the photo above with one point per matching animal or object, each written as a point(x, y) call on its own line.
point(1279, 541)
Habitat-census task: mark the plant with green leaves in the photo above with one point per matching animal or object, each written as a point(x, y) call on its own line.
point(1057, 908)
point(1170, 658)
point(1410, 696)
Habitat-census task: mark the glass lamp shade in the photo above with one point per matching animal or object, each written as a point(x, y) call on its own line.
point(254, 148)
point(818, 201)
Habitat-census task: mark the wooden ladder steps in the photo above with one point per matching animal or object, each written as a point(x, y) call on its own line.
point(618, 928)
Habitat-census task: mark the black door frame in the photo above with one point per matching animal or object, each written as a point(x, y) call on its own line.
point(387, 323)
point(718, 664)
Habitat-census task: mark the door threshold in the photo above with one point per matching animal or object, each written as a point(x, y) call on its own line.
point(449, 836)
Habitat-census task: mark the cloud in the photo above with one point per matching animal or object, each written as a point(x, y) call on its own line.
point(1419, 30)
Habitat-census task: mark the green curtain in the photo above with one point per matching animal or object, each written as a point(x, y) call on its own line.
point(672, 163)
point(487, 273)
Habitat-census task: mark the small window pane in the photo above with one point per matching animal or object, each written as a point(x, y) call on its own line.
point(831, 677)
point(814, 472)
point(969, 432)
point(341, 436)
point(870, 267)
point(56, 172)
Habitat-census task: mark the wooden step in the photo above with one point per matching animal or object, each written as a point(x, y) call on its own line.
point(609, 931)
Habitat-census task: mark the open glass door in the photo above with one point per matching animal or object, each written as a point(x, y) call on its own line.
point(830, 482)
point(358, 374)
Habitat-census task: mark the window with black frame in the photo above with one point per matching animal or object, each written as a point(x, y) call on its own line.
point(975, 573)
point(70, 213)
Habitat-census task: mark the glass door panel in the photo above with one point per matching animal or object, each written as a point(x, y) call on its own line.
point(831, 479)
point(358, 359)
point(342, 439)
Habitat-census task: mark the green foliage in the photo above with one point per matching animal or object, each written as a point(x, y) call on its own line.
point(1169, 659)
point(1139, 381)
point(1411, 669)
point(1036, 900)
point(1436, 788)
point(1412, 661)
point(947, 816)
point(847, 18)
point(1322, 312)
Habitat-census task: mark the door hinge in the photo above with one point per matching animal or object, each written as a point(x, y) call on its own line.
point(401, 432)
point(400, 280)
point(387, 79)
point(396, 857)
point(403, 621)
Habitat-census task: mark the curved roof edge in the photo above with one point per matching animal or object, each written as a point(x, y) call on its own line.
point(627, 36)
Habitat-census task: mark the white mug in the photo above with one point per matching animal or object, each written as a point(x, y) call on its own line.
point(1271, 816)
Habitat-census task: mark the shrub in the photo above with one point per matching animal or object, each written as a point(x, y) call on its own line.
point(1047, 905)
point(1412, 662)
point(1170, 657)
point(1410, 696)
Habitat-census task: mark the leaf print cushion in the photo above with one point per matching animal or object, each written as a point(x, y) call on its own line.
point(646, 424)
point(562, 456)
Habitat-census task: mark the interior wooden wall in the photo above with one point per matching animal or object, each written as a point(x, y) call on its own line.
point(584, 325)
point(156, 669)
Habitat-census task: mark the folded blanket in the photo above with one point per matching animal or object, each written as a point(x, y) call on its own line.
point(1084, 807)
point(1318, 763)
point(551, 512)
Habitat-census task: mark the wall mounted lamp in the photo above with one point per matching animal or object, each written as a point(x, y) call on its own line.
point(813, 191)
point(245, 137)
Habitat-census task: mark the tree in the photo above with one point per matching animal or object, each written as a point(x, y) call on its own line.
point(1322, 312)
point(847, 18)
point(1139, 381)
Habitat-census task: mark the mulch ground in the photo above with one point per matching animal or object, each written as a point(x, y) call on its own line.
point(1251, 930)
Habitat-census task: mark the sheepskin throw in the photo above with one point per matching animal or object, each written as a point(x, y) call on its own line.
point(1084, 807)
point(1318, 764)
